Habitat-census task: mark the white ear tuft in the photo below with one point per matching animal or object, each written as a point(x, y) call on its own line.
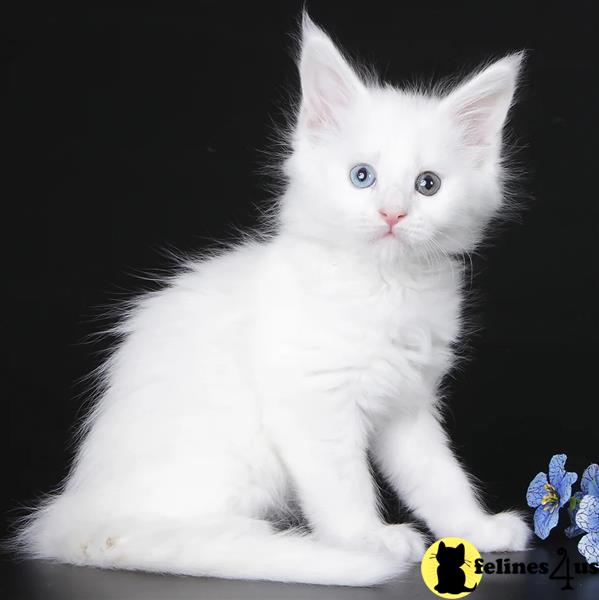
point(329, 85)
point(480, 105)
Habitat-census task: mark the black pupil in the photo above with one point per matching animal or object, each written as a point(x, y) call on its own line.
point(427, 182)
point(362, 174)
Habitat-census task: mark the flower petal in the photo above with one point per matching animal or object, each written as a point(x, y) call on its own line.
point(561, 479)
point(545, 521)
point(588, 546)
point(590, 480)
point(564, 488)
point(556, 469)
point(536, 490)
point(587, 517)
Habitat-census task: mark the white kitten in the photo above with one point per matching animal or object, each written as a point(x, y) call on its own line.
point(257, 381)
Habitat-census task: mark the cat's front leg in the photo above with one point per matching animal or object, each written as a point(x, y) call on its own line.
point(415, 456)
point(327, 460)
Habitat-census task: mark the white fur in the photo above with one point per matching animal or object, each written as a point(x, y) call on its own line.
point(253, 385)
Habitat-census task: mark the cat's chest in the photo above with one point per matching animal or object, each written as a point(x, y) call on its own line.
point(379, 340)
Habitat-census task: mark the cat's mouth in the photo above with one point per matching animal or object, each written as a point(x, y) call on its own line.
point(390, 233)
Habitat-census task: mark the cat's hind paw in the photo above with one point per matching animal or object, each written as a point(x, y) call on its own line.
point(100, 550)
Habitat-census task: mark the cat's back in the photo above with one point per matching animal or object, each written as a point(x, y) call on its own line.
point(199, 319)
point(210, 291)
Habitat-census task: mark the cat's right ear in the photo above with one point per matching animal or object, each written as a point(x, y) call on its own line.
point(441, 546)
point(329, 84)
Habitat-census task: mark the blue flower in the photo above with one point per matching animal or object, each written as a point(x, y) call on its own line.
point(587, 518)
point(548, 495)
point(589, 485)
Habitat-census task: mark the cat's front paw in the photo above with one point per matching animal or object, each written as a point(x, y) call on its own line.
point(405, 542)
point(502, 532)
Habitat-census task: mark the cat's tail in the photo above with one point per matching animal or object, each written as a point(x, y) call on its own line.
point(231, 547)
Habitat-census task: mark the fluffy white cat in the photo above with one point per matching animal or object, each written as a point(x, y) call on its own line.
point(256, 383)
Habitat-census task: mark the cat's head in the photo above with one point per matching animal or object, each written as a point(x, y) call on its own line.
point(390, 171)
point(448, 556)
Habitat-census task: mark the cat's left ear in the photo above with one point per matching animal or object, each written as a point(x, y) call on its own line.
point(329, 84)
point(481, 104)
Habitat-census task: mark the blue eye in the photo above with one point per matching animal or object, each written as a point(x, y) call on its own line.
point(362, 176)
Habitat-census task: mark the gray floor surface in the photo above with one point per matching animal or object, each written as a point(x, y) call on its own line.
point(37, 580)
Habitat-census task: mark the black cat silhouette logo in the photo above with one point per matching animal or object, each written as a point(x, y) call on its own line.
point(448, 568)
point(452, 578)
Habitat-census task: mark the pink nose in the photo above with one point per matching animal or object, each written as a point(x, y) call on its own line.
point(392, 218)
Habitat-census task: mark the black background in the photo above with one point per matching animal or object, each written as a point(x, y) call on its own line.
point(131, 130)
